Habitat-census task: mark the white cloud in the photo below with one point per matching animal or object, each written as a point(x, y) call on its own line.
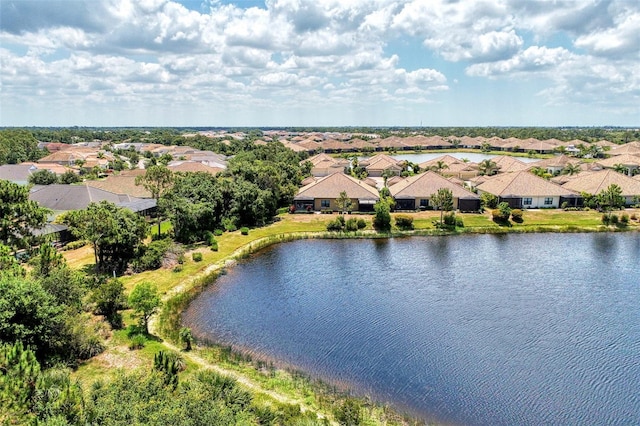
point(319, 53)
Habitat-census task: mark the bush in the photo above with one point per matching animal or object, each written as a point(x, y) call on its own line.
point(137, 341)
point(177, 268)
point(605, 219)
point(351, 225)
point(404, 222)
point(449, 220)
point(196, 256)
point(459, 222)
point(229, 224)
point(624, 219)
point(362, 224)
point(502, 213)
point(152, 255)
point(382, 217)
point(613, 219)
point(516, 215)
point(337, 224)
point(488, 201)
point(75, 245)
point(214, 246)
point(244, 230)
point(564, 205)
point(218, 232)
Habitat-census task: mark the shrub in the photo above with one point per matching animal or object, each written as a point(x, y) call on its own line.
point(177, 268)
point(516, 215)
point(564, 205)
point(613, 219)
point(218, 232)
point(196, 256)
point(634, 216)
point(404, 222)
point(75, 245)
point(214, 246)
point(605, 219)
point(488, 201)
point(362, 224)
point(137, 341)
point(229, 224)
point(382, 217)
point(337, 224)
point(152, 255)
point(459, 222)
point(351, 225)
point(449, 220)
point(624, 219)
point(244, 230)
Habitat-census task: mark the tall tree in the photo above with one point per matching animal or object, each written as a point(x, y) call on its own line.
point(158, 180)
point(145, 301)
point(115, 232)
point(19, 216)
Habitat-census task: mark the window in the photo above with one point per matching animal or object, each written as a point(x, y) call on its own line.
point(548, 201)
point(325, 204)
point(527, 201)
point(424, 203)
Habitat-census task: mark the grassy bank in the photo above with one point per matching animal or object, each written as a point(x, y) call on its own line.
point(269, 384)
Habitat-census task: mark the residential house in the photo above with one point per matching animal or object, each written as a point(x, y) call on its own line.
point(507, 164)
point(415, 192)
point(632, 148)
point(323, 193)
point(61, 198)
point(595, 182)
point(554, 165)
point(324, 165)
point(525, 190)
point(17, 173)
point(377, 165)
point(630, 162)
point(454, 167)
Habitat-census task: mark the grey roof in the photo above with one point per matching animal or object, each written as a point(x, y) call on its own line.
point(49, 228)
point(17, 173)
point(74, 197)
point(139, 205)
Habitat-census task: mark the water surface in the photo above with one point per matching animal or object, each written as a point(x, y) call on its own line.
point(485, 329)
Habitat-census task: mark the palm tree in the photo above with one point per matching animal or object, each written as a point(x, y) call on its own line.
point(439, 166)
point(540, 172)
point(620, 169)
point(571, 169)
point(488, 167)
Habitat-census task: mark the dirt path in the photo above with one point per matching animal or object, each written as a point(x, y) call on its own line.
point(201, 362)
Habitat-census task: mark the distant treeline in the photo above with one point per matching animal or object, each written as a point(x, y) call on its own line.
point(227, 144)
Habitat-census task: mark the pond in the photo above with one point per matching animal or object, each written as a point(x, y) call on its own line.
point(474, 157)
point(479, 329)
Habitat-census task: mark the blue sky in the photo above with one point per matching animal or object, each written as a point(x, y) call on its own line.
point(320, 63)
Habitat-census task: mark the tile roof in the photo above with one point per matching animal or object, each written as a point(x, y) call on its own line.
point(594, 183)
point(624, 159)
point(59, 197)
point(120, 184)
point(522, 184)
point(331, 186)
point(425, 184)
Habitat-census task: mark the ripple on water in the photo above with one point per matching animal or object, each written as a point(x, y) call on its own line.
point(515, 329)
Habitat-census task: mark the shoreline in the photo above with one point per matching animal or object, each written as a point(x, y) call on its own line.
point(186, 292)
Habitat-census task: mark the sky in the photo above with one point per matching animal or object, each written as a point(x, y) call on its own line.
point(277, 63)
